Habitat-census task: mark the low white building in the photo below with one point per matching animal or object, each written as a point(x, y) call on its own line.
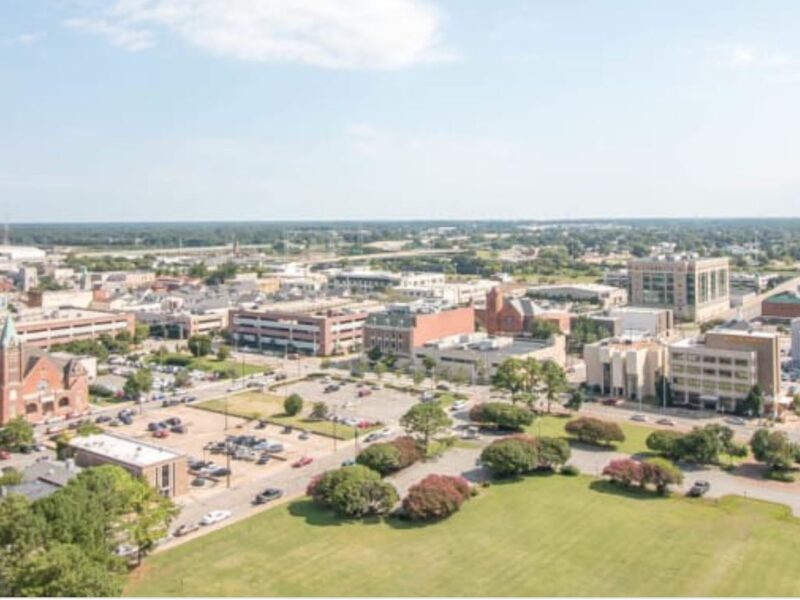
point(643, 321)
point(625, 367)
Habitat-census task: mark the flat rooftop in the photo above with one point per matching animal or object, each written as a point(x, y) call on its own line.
point(784, 298)
point(63, 314)
point(125, 450)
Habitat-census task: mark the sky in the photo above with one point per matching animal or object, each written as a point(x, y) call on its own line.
point(179, 110)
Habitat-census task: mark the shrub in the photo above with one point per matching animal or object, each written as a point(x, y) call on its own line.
point(293, 405)
point(553, 452)
point(383, 458)
point(570, 470)
point(664, 442)
point(355, 491)
point(501, 415)
point(388, 457)
point(625, 471)
point(319, 411)
point(661, 473)
point(595, 431)
point(436, 497)
point(773, 448)
point(511, 456)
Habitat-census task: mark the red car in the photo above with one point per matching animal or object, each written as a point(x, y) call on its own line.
point(161, 433)
point(5, 454)
point(364, 392)
point(306, 460)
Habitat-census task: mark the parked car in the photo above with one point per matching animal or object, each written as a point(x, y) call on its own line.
point(267, 495)
point(699, 488)
point(186, 529)
point(611, 402)
point(287, 429)
point(261, 425)
point(372, 437)
point(458, 405)
point(666, 421)
point(126, 419)
point(215, 516)
point(275, 447)
point(173, 421)
point(179, 429)
point(348, 463)
point(364, 392)
point(161, 433)
point(153, 426)
point(640, 418)
point(102, 419)
point(115, 423)
point(306, 460)
point(304, 435)
point(263, 459)
point(220, 472)
point(330, 388)
point(735, 421)
point(443, 387)
point(5, 455)
point(428, 396)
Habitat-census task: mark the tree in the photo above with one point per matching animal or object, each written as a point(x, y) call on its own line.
point(388, 457)
point(665, 443)
point(661, 473)
point(501, 415)
point(753, 405)
point(383, 458)
point(65, 570)
point(511, 456)
point(517, 375)
point(436, 497)
point(374, 354)
point(319, 411)
point(417, 376)
point(139, 383)
point(773, 448)
point(355, 491)
point(576, 399)
point(293, 405)
point(141, 333)
point(223, 353)
point(554, 381)
point(199, 345)
point(182, 378)
point(17, 433)
point(425, 420)
point(543, 329)
point(380, 369)
point(459, 377)
point(595, 431)
point(624, 471)
point(552, 452)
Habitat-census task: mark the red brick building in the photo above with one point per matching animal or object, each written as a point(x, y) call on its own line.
point(35, 385)
point(784, 306)
point(514, 315)
point(401, 329)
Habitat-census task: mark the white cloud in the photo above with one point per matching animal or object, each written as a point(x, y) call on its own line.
point(750, 57)
point(27, 38)
point(378, 34)
point(120, 34)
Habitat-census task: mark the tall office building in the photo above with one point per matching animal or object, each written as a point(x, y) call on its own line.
point(696, 289)
point(796, 343)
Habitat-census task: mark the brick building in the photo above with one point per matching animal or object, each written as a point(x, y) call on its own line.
point(513, 315)
point(166, 470)
point(318, 334)
point(785, 306)
point(404, 327)
point(35, 385)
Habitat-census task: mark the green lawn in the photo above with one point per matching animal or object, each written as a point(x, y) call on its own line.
point(548, 535)
point(255, 405)
point(635, 435)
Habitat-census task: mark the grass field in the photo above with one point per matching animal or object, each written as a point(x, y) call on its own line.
point(635, 435)
point(548, 535)
point(212, 364)
point(255, 405)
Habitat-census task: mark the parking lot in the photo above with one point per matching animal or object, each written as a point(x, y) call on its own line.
point(383, 405)
point(205, 428)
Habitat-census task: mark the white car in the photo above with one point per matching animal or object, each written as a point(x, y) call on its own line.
point(458, 405)
point(640, 418)
point(735, 421)
point(215, 516)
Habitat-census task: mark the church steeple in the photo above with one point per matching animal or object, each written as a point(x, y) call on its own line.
point(9, 337)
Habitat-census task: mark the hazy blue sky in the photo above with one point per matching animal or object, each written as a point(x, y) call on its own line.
point(328, 109)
